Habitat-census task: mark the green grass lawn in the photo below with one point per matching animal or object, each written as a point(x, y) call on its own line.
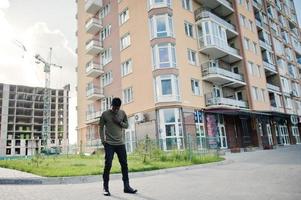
point(76, 165)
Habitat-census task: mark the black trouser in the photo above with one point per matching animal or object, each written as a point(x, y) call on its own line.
point(122, 157)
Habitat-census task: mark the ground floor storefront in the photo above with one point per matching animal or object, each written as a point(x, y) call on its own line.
point(229, 129)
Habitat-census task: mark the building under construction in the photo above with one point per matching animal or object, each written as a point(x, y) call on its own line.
point(21, 119)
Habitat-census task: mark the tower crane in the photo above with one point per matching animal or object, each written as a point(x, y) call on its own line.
point(46, 99)
point(46, 96)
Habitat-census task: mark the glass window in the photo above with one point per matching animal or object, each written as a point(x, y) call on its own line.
point(126, 67)
point(186, 4)
point(124, 16)
point(164, 56)
point(166, 87)
point(189, 29)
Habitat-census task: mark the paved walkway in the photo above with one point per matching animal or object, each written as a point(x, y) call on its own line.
point(269, 174)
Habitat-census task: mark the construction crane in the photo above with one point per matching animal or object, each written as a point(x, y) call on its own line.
point(47, 95)
point(46, 99)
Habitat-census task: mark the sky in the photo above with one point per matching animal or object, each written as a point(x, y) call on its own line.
point(39, 25)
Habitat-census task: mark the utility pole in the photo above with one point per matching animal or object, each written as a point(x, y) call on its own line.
point(46, 139)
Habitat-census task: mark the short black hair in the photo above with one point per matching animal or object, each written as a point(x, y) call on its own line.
point(116, 101)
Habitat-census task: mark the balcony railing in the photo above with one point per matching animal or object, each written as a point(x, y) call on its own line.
point(265, 45)
point(211, 101)
point(212, 70)
point(273, 87)
point(94, 69)
point(269, 66)
point(201, 14)
point(221, 7)
point(94, 47)
point(257, 4)
point(209, 40)
point(93, 115)
point(93, 6)
point(93, 25)
point(94, 93)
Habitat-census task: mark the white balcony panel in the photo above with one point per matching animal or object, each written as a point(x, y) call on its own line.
point(220, 76)
point(93, 6)
point(94, 69)
point(94, 47)
point(92, 117)
point(221, 7)
point(273, 88)
point(202, 15)
point(93, 25)
point(270, 68)
point(94, 93)
point(220, 101)
point(216, 48)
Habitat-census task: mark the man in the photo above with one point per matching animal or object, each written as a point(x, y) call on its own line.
point(114, 120)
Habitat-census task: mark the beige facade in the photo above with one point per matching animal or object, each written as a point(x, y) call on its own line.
point(170, 60)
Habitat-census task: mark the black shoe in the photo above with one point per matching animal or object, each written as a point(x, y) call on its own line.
point(106, 192)
point(130, 190)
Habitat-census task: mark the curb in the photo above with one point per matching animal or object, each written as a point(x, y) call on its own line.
point(97, 178)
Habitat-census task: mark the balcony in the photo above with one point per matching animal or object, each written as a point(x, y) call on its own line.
point(94, 47)
point(221, 7)
point(93, 116)
point(94, 69)
point(94, 93)
point(270, 68)
point(201, 14)
point(221, 101)
point(273, 88)
point(93, 6)
point(257, 4)
point(93, 25)
point(216, 48)
point(265, 45)
point(214, 72)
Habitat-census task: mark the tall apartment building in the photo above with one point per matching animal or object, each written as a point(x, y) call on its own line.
point(225, 72)
point(21, 119)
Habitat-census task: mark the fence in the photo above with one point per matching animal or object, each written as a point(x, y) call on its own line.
point(145, 147)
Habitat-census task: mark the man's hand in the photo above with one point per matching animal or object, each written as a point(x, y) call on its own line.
point(103, 143)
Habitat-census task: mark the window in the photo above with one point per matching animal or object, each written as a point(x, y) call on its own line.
point(126, 67)
point(188, 29)
point(107, 78)
point(164, 56)
point(195, 86)
point(106, 56)
point(263, 94)
point(254, 93)
point(248, 4)
point(192, 57)
point(106, 103)
point(254, 47)
point(246, 43)
point(171, 134)
point(285, 85)
point(106, 32)
point(161, 26)
point(124, 16)
point(288, 102)
point(105, 11)
point(128, 95)
point(125, 41)
point(167, 88)
point(186, 4)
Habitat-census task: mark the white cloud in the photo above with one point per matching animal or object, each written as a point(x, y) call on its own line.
point(4, 4)
point(18, 67)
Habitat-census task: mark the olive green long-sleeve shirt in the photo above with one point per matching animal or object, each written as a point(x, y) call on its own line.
point(110, 131)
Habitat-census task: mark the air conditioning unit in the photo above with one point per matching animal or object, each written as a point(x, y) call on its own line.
point(139, 117)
